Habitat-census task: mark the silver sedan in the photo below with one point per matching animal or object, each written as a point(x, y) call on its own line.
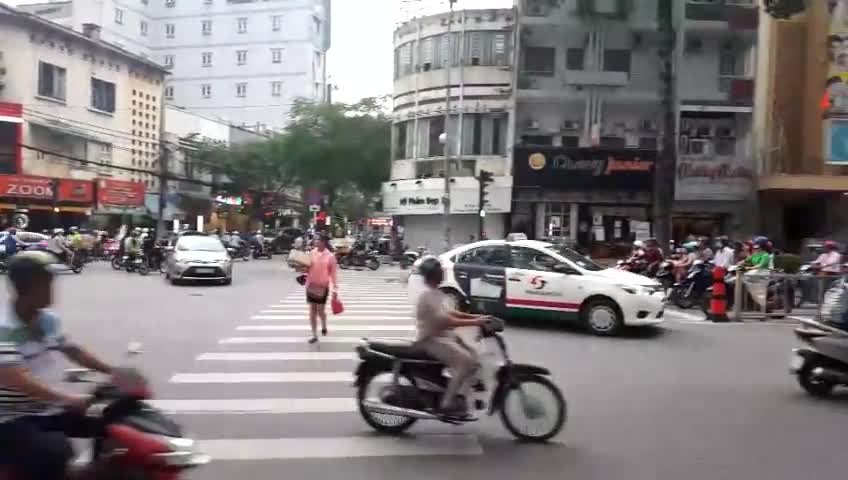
point(199, 258)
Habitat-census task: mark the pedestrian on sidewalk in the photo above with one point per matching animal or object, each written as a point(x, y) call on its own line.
point(320, 278)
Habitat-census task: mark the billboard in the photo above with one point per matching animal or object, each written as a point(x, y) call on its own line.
point(584, 168)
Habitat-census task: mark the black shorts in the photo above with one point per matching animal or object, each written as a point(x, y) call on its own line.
point(316, 299)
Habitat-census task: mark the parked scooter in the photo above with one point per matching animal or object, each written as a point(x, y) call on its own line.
point(823, 364)
point(398, 385)
point(136, 439)
point(358, 259)
point(412, 256)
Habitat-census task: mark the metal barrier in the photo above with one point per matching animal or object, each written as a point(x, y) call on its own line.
point(765, 295)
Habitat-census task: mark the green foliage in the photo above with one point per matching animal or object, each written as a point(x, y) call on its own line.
point(787, 263)
point(784, 9)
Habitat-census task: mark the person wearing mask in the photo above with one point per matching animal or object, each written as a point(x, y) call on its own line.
point(11, 242)
point(36, 416)
point(681, 267)
point(725, 255)
point(435, 336)
point(58, 246)
point(653, 256)
point(704, 252)
point(321, 277)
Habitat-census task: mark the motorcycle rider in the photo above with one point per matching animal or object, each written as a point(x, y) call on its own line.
point(681, 267)
point(36, 418)
point(132, 245)
point(435, 323)
point(58, 246)
point(724, 253)
point(830, 261)
point(259, 242)
point(653, 256)
point(11, 242)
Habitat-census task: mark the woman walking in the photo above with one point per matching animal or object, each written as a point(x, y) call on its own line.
point(322, 275)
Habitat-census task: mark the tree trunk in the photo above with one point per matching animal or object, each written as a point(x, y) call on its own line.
point(665, 172)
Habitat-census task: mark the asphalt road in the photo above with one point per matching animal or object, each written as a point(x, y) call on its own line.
point(689, 400)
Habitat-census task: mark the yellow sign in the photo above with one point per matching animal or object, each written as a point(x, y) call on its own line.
point(537, 161)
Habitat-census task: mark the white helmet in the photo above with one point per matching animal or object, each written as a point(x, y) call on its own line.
point(59, 230)
point(234, 232)
point(639, 244)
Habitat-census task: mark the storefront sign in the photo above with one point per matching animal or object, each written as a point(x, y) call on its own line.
point(380, 221)
point(584, 168)
point(424, 197)
point(26, 186)
point(81, 191)
point(119, 193)
point(713, 179)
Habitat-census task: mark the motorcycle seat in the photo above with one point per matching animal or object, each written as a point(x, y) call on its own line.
point(399, 348)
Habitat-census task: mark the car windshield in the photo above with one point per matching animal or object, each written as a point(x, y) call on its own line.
point(576, 258)
point(203, 244)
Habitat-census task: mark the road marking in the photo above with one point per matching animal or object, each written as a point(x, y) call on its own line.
point(340, 447)
point(263, 377)
point(261, 340)
point(257, 405)
point(343, 316)
point(338, 328)
point(257, 356)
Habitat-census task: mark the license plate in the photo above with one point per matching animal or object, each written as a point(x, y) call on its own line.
point(795, 363)
point(205, 270)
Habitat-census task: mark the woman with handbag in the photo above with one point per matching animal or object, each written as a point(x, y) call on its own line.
point(321, 276)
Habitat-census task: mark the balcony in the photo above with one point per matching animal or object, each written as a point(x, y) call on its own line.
point(596, 78)
point(737, 14)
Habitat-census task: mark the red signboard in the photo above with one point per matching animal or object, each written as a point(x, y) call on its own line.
point(11, 112)
point(118, 193)
point(81, 191)
point(26, 186)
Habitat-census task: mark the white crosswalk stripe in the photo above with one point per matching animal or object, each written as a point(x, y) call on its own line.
point(274, 356)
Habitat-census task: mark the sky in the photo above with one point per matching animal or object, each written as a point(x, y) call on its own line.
point(360, 58)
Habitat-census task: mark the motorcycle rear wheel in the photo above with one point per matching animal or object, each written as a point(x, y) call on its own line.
point(143, 270)
point(815, 387)
point(683, 301)
point(344, 263)
point(373, 419)
point(373, 264)
point(116, 262)
point(560, 415)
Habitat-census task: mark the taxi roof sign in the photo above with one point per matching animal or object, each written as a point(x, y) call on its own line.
point(515, 237)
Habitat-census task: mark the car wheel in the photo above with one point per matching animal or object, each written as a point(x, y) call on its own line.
point(175, 281)
point(603, 317)
point(228, 281)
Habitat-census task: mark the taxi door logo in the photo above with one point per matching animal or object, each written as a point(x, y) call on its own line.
point(538, 282)
point(537, 161)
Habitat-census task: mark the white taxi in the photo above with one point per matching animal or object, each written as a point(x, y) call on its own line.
point(528, 278)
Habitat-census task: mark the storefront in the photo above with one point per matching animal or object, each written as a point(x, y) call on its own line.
point(119, 203)
point(418, 208)
point(597, 198)
point(39, 203)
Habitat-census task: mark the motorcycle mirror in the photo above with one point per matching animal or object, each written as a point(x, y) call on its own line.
point(134, 348)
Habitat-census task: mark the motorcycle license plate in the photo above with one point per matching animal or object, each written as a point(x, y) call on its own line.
point(795, 363)
point(205, 270)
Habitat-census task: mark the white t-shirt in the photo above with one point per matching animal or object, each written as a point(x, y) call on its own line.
point(724, 257)
point(830, 262)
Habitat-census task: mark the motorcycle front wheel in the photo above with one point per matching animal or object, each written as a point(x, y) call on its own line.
point(143, 270)
point(383, 423)
point(116, 262)
point(344, 263)
point(541, 422)
point(373, 264)
point(682, 300)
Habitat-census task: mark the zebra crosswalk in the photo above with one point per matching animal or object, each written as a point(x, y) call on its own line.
point(264, 393)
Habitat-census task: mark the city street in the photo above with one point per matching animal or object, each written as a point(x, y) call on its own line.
point(689, 400)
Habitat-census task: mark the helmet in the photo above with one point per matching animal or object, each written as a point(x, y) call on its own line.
point(639, 244)
point(830, 244)
point(235, 232)
point(761, 242)
point(690, 246)
point(145, 230)
point(26, 268)
point(74, 228)
point(431, 270)
point(58, 230)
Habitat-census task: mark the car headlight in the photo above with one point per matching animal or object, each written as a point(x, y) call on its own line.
point(226, 260)
point(636, 289)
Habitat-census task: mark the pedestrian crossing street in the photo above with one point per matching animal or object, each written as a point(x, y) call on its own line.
point(264, 393)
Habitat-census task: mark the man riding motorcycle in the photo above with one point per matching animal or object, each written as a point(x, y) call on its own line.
point(35, 416)
point(58, 246)
point(132, 245)
point(10, 243)
point(435, 323)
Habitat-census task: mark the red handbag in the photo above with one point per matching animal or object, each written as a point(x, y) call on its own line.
point(338, 306)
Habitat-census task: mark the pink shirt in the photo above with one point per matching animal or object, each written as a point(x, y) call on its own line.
point(322, 270)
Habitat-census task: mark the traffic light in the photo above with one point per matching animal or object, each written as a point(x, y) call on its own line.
point(485, 179)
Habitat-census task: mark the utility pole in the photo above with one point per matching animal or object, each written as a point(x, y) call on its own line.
point(444, 137)
point(666, 165)
point(485, 178)
point(163, 188)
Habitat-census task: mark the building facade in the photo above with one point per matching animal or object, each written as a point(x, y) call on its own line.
point(240, 61)
point(589, 90)
point(78, 99)
point(470, 54)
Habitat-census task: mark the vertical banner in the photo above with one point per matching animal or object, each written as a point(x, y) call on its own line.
point(835, 101)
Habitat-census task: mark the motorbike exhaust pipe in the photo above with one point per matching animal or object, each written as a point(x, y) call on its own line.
point(387, 409)
point(831, 375)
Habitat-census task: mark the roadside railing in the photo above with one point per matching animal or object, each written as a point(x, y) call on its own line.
point(766, 295)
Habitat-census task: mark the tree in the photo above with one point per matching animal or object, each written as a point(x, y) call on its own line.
point(784, 9)
point(666, 166)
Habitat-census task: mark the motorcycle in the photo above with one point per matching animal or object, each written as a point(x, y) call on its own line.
point(823, 364)
point(358, 259)
point(691, 290)
point(634, 264)
point(137, 440)
point(76, 265)
point(411, 256)
point(665, 275)
point(265, 252)
point(242, 252)
point(131, 263)
point(416, 382)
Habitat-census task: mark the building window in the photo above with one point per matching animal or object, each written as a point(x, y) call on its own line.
point(276, 55)
point(649, 143)
point(206, 58)
point(276, 23)
point(169, 61)
point(207, 2)
point(570, 141)
point(51, 81)
point(574, 58)
point(206, 27)
point(170, 28)
point(427, 54)
point(400, 140)
point(241, 57)
point(276, 89)
point(119, 16)
point(102, 95)
point(500, 49)
point(617, 61)
point(477, 135)
point(241, 89)
point(206, 90)
point(437, 127)
point(557, 220)
point(497, 136)
point(475, 52)
point(613, 142)
point(169, 93)
point(317, 22)
point(242, 24)
point(539, 60)
point(143, 28)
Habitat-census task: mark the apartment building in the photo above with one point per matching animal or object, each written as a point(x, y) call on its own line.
point(589, 94)
point(467, 56)
point(242, 61)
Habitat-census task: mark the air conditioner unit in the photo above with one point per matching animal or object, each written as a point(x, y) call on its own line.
point(704, 131)
point(571, 125)
point(700, 146)
point(531, 124)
